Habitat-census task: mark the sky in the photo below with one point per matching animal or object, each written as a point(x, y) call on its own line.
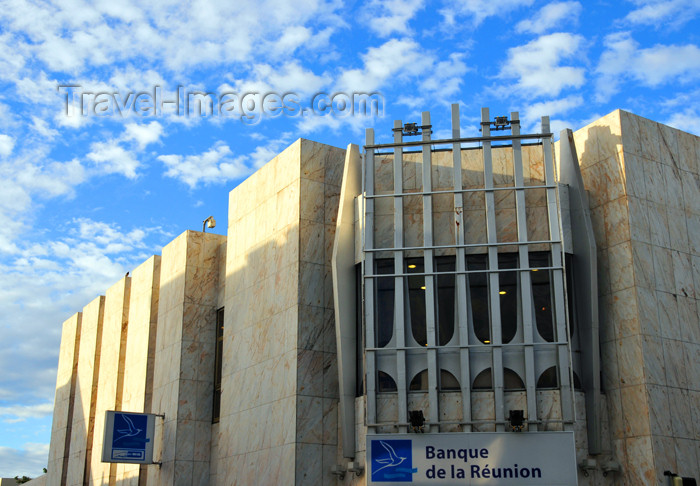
point(123, 124)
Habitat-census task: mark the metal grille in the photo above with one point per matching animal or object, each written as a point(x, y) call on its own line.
point(399, 251)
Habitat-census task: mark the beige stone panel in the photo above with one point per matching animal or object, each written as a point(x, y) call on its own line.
point(114, 328)
point(64, 399)
point(630, 361)
point(549, 409)
point(533, 165)
point(502, 159)
point(173, 266)
point(668, 145)
point(667, 305)
point(620, 265)
point(677, 375)
point(483, 411)
point(472, 168)
point(654, 364)
point(85, 390)
point(587, 147)
point(625, 318)
point(640, 135)
point(635, 410)
point(616, 221)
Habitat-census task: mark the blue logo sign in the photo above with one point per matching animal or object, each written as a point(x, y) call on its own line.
point(392, 461)
point(129, 437)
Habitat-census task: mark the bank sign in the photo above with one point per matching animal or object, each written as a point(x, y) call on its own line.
point(128, 437)
point(478, 458)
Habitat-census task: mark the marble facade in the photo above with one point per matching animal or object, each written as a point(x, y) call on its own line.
point(148, 345)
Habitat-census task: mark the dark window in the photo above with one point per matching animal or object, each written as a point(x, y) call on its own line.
point(511, 380)
point(385, 383)
point(385, 303)
point(508, 295)
point(479, 297)
point(542, 295)
point(419, 382)
point(416, 299)
point(448, 381)
point(445, 299)
point(218, 354)
point(548, 378)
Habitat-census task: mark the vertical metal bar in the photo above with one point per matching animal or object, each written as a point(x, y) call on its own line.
point(526, 296)
point(461, 302)
point(563, 354)
point(369, 284)
point(429, 265)
point(494, 299)
point(399, 298)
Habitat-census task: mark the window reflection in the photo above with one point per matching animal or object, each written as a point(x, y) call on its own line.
point(542, 295)
point(416, 299)
point(385, 303)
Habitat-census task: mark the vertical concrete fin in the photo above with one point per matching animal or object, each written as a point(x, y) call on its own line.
point(345, 298)
point(586, 285)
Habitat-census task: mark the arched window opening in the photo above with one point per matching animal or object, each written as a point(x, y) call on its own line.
point(385, 383)
point(419, 382)
point(448, 381)
point(548, 378)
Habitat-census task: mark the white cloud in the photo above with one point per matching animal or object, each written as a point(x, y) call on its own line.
point(69, 37)
point(20, 413)
point(687, 120)
point(551, 16)
point(624, 60)
point(111, 158)
point(42, 127)
point(28, 461)
point(537, 64)
point(217, 165)
point(7, 143)
point(478, 10)
point(393, 59)
point(662, 13)
point(387, 17)
point(531, 115)
point(143, 134)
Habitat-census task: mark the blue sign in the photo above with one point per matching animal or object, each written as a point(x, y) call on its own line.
point(392, 461)
point(128, 437)
point(472, 459)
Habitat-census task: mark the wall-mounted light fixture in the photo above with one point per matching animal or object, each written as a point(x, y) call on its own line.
point(210, 222)
point(417, 420)
point(516, 418)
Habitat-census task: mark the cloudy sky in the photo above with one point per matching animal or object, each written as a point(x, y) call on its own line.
point(107, 152)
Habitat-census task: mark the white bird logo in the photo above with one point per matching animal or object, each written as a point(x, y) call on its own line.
point(392, 461)
point(131, 431)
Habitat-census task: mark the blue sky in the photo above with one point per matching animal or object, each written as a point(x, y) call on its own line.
point(87, 197)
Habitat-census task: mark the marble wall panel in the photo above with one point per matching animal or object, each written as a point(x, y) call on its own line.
point(59, 447)
point(85, 391)
point(109, 391)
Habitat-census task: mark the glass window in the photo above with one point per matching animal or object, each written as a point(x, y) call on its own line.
point(384, 325)
point(416, 299)
point(542, 294)
point(385, 383)
point(448, 381)
point(419, 382)
point(479, 297)
point(511, 380)
point(445, 299)
point(508, 295)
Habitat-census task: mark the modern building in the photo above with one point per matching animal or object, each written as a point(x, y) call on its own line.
point(490, 298)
